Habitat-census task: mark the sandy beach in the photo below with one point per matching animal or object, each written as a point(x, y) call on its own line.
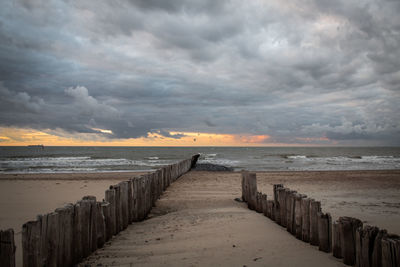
point(24, 196)
point(198, 223)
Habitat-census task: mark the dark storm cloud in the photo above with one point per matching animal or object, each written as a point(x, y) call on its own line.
point(297, 71)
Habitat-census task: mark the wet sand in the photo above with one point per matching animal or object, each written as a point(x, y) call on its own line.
point(371, 196)
point(198, 223)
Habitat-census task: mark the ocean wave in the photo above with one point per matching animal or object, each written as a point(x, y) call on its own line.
point(224, 162)
point(75, 164)
point(296, 157)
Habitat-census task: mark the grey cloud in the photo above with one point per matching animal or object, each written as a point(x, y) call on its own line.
point(181, 5)
point(245, 67)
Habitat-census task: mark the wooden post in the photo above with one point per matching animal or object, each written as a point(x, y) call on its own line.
point(305, 219)
point(43, 240)
point(270, 206)
point(31, 243)
point(100, 225)
point(148, 194)
point(140, 197)
point(92, 221)
point(159, 183)
point(109, 227)
point(135, 193)
point(277, 204)
point(290, 214)
point(282, 205)
point(347, 228)
point(7, 248)
point(77, 249)
point(315, 207)
point(365, 238)
point(130, 201)
point(153, 189)
point(52, 241)
point(65, 244)
point(110, 198)
point(325, 232)
point(259, 202)
point(118, 208)
point(264, 204)
point(85, 223)
point(391, 251)
point(124, 198)
point(244, 186)
point(377, 250)
point(252, 181)
point(336, 243)
point(298, 215)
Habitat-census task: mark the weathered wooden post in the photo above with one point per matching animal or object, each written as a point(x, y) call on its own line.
point(347, 228)
point(259, 202)
point(52, 239)
point(66, 224)
point(336, 243)
point(118, 208)
point(365, 238)
point(290, 211)
point(391, 251)
point(31, 243)
point(130, 200)
point(100, 225)
point(77, 248)
point(252, 182)
point(315, 207)
point(110, 198)
point(124, 198)
point(325, 232)
point(153, 196)
point(305, 219)
point(277, 204)
point(244, 186)
point(282, 205)
point(7, 248)
point(136, 193)
point(92, 223)
point(377, 250)
point(264, 204)
point(298, 215)
point(140, 197)
point(159, 183)
point(148, 195)
point(270, 207)
point(109, 227)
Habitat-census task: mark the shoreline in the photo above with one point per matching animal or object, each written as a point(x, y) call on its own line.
point(371, 196)
point(118, 175)
point(71, 176)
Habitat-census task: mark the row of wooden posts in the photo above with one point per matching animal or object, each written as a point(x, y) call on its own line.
point(346, 237)
point(71, 233)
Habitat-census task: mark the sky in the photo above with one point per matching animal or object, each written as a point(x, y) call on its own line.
point(206, 72)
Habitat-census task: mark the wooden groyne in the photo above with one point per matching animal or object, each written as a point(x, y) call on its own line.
point(346, 238)
point(71, 233)
point(7, 248)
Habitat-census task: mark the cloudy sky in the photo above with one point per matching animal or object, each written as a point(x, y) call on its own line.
point(180, 72)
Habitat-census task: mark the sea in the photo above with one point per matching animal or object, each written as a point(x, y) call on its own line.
point(58, 159)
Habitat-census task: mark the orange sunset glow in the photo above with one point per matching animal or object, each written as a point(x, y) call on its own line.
point(24, 137)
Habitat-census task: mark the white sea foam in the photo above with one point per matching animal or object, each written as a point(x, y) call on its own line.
point(297, 157)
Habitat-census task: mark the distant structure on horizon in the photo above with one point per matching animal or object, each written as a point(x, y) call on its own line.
point(36, 146)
